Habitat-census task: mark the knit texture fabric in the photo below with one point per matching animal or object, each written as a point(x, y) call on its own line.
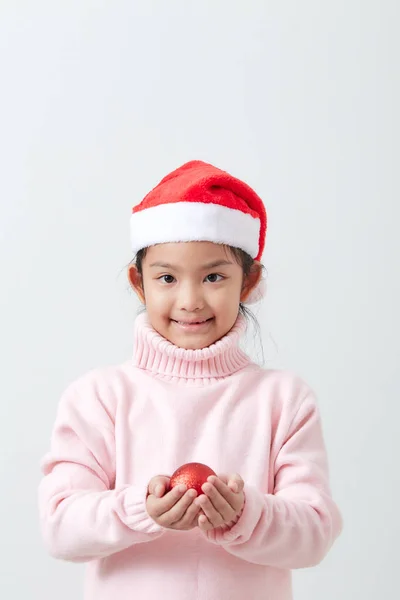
point(119, 426)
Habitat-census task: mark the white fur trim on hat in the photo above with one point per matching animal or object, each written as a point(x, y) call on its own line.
point(194, 221)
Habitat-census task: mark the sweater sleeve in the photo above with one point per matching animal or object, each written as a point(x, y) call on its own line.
point(295, 526)
point(82, 515)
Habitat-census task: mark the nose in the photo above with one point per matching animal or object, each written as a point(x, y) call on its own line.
point(190, 297)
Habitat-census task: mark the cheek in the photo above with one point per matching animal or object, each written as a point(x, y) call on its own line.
point(158, 300)
point(227, 299)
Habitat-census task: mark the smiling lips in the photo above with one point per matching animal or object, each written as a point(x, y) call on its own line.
point(198, 322)
point(192, 324)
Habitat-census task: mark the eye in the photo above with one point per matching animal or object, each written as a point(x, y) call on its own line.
point(166, 279)
point(213, 278)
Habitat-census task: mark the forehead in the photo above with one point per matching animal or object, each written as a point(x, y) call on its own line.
point(188, 255)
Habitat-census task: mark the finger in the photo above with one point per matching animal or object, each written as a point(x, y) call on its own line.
point(233, 499)
point(215, 518)
point(189, 519)
point(159, 506)
point(222, 477)
point(219, 502)
point(203, 523)
point(236, 483)
point(230, 481)
point(195, 522)
point(159, 491)
point(177, 512)
point(158, 485)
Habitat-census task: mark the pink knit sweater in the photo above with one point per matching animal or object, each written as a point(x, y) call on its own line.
point(119, 426)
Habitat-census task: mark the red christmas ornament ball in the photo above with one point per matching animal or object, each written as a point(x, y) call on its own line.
point(193, 475)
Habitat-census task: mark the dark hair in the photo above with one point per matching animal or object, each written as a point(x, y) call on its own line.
point(243, 259)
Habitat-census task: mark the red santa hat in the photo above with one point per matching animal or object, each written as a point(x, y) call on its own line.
point(199, 202)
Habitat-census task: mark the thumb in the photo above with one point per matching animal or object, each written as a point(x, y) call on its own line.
point(224, 478)
point(158, 485)
point(236, 483)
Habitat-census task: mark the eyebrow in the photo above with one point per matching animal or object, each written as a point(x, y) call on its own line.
point(211, 265)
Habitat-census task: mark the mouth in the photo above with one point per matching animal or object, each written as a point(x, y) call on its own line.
point(193, 325)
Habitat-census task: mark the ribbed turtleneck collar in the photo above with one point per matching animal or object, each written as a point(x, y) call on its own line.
point(156, 354)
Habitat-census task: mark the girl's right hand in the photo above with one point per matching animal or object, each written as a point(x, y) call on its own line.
point(174, 509)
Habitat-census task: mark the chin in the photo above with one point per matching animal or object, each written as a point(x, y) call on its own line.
point(192, 344)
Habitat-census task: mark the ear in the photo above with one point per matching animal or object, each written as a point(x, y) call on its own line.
point(251, 281)
point(136, 281)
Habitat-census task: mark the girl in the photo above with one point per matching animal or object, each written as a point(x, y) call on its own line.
point(190, 394)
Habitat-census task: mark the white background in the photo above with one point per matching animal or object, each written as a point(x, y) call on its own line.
point(98, 101)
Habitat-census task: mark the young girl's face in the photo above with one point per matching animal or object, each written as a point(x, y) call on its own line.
point(192, 291)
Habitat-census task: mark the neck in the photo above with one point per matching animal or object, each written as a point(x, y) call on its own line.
point(154, 353)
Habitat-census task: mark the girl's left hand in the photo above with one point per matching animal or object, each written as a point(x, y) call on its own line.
point(222, 502)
